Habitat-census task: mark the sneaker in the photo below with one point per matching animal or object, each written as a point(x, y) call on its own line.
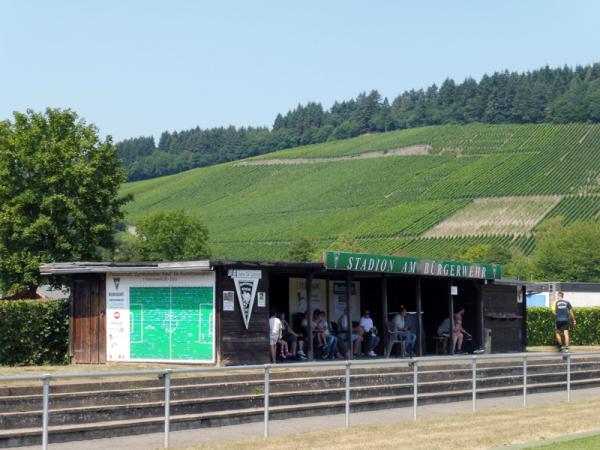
point(302, 357)
point(372, 353)
point(301, 353)
point(566, 349)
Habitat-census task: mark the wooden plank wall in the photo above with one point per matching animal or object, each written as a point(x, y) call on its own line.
point(88, 322)
point(239, 345)
point(504, 316)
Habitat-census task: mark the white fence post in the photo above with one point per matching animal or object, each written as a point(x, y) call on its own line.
point(266, 402)
point(474, 375)
point(524, 380)
point(415, 387)
point(46, 393)
point(568, 378)
point(347, 394)
point(167, 376)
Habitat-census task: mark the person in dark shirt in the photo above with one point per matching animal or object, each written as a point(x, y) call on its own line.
point(563, 316)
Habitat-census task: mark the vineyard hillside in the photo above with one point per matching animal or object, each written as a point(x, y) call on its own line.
point(421, 191)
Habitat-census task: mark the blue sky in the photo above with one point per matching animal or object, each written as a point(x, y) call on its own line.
point(141, 67)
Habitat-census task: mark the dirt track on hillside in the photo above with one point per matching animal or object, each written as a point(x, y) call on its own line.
point(404, 151)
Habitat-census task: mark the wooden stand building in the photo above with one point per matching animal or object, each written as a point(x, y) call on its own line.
point(217, 312)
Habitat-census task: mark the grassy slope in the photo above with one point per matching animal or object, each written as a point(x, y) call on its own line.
point(386, 204)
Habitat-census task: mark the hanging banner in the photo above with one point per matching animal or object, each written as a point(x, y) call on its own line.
point(246, 283)
point(362, 262)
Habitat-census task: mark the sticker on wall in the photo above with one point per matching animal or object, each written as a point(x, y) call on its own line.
point(262, 299)
point(228, 301)
point(246, 283)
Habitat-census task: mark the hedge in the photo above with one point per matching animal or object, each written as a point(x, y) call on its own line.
point(34, 332)
point(540, 326)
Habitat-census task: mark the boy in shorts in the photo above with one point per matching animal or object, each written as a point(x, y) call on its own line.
point(563, 311)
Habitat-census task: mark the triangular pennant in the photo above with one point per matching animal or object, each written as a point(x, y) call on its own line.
point(246, 284)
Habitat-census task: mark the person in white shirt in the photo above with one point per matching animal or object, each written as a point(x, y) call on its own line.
point(274, 334)
point(399, 325)
point(371, 337)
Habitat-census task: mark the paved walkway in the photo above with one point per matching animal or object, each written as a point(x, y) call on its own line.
point(305, 424)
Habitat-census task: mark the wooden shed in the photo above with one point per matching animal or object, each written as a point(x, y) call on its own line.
point(217, 311)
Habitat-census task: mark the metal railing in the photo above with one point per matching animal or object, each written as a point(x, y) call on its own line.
point(166, 375)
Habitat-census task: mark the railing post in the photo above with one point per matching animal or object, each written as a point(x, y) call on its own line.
point(266, 402)
point(474, 375)
point(167, 376)
point(347, 394)
point(415, 388)
point(524, 380)
point(568, 377)
point(46, 393)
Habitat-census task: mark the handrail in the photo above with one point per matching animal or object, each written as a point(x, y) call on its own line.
point(347, 365)
point(309, 364)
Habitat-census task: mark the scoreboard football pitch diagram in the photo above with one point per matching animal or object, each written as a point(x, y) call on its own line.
point(171, 323)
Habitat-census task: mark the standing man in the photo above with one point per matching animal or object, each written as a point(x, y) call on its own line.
point(563, 311)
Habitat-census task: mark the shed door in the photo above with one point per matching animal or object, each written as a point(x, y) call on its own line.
point(503, 314)
point(88, 321)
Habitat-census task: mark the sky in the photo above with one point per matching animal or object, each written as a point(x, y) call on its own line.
point(138, 68)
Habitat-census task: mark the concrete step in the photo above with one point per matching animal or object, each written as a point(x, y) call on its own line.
point(66, 433)
point(232, 401)
point(291, 382)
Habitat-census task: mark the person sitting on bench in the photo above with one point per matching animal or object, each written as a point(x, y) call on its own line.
point(371, 338)
point(357, 339)
point(399, 324)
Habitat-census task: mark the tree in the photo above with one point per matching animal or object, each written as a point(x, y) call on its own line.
point(59, 198)
point(486, 253)
point(171, 236)
point(301, 250)
point(568, 253)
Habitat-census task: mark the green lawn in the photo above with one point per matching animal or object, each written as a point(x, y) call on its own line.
point(586, 443)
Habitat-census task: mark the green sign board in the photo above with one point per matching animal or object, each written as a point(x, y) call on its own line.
point(362, 262)
point(173, 323)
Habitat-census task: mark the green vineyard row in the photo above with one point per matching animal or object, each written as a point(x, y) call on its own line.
point(385, 203)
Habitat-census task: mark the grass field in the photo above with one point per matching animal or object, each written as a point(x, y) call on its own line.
point(586, 443)
point(482, 430)
point(471, 175)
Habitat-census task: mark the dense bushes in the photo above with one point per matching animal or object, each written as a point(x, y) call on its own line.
point(34, 332)
point(540, 327)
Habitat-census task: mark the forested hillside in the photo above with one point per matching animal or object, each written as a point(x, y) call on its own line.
point(560, 95)
point(430, 191)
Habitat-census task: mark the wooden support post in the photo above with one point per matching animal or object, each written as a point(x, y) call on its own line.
point(309, 278)
point(480, 321)
point(523, 294)
point(384, 304)
point(350, 350)
point(419, 314)
point(220, 274)
point(451, 315)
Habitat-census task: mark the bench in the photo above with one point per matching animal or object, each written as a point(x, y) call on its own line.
point(441, 345)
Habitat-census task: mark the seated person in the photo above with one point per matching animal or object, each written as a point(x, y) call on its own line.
point(293, 339)
point(458, 332)
point(323, 326)
point(357, 336)
point(319, 332)
point(371, 338)
point(399, 325)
